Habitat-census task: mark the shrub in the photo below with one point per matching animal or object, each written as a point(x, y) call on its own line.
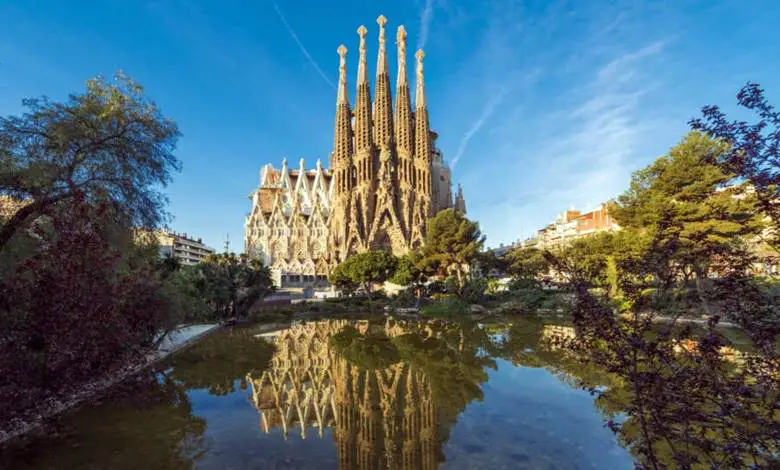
point(474, 290)
point(79, 306)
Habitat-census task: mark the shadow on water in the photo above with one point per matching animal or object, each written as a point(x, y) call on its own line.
point(348, 394)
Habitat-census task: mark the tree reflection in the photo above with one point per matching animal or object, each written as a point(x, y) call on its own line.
point(151, 425)
point(674, 402)
point(219, 361)
point(536, 343)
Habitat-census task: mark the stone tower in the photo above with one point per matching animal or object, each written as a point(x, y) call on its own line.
point(386, 178)
point(382, 159)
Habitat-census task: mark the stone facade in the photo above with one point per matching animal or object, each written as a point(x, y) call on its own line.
point(386, 179)
point(287, 228)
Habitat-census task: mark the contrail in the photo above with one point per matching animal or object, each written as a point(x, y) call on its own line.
point(487, 111)
point(301, 46)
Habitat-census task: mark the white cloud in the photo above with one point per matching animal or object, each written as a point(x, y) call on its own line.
point(590, 158)
point(622, 68)
point(425, 22)
point(303, 49)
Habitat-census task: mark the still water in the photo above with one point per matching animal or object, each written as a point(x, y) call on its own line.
point(383, 393)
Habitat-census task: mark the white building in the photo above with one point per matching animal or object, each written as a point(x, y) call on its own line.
point(188, 250)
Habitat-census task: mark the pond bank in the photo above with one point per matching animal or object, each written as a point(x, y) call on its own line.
point(175, 341)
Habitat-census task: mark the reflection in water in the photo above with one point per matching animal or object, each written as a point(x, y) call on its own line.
point(148, 424)
point(695, 409)
point(381, 407)
point(357, 394)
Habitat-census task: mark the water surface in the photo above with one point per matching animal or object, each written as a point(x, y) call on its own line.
point(344, 394)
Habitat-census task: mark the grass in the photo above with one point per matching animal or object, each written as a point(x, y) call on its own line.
point(447, 307)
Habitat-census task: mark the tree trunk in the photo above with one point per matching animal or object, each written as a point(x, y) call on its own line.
point(21, 216)
point(367, 287)
point(702, 288)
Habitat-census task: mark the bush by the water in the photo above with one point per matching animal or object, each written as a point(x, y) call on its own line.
point(86, 301)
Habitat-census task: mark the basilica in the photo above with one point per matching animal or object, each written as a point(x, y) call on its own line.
point(385, 179)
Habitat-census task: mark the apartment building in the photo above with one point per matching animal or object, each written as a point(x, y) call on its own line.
point(571, 225)
point(188, 250)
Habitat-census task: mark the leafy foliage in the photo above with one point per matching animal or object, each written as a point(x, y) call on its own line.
point(80, 295)
point(406, 271)
point(452, 243)
point(82, 304)
point(693, 221)
point(364, 270)
point(527, 263)
point(229, 284)
point(109, 144)
point(678, 401)
point(753, 152)
point(684, 404)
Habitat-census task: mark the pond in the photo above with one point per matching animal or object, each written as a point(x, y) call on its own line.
point(378, 393)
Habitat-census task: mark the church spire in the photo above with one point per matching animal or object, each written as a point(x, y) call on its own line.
point(362, 73)
point(363, 101)
point(383, 106)
point(381, 63)
point(422, 130)
point(404, 131)
point(460, 201)
point(342, 142)
point(400, 41)
point(420, 97)
point(342, 92)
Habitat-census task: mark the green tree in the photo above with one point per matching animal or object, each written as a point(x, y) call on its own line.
point(452, 243)
point(527, 263)
point(232, 284)
point(490, 264)
point(681, 202)
point(184, 288)
point(110, 143)
point(406, 271)
point(588, 258)
point(364, 270)
point(88, 299)
point(754, 150)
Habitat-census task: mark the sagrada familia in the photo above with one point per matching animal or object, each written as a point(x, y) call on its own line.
point(385, 179)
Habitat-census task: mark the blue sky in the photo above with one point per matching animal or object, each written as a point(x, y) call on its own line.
point(540, 105)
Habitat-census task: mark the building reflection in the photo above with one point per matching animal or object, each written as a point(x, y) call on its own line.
point(379, 418)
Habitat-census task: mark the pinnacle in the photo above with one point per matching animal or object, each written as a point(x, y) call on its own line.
point(401, 35)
